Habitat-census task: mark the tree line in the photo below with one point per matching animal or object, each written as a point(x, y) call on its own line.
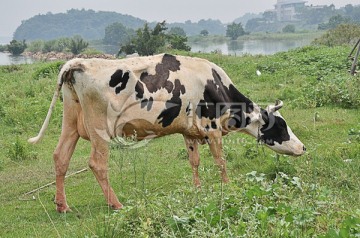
point(144, 41)
point(75, 45)
point(91, 25)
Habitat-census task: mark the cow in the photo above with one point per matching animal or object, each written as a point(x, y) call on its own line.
point(154, 96)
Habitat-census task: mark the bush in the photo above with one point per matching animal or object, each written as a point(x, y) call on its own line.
point(179, 42)
point(18, 151)
point(36, 46)
point(48, 70)
point(77, 45)
point(289, 29)
point(3, 48)
point(341, 91)
point(344, 34)
point(16, 47)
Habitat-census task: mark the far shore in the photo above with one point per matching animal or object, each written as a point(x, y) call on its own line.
point(52, 56)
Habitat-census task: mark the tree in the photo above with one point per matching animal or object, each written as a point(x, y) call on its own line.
point(177, 31)
point(289, 29)
point(234, 30)
point(334, 21)
point(16, 47)
point(343, 34)
point(270, 16)
point(178, 42)
point(146, 40)
point(117, 34)
point(349, 9)
point(204, 32)
point(3, 48)
point(316, 15)
point(77, 44)
point(254, 23)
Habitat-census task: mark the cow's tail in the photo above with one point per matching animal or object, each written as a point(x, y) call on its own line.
point(66, 75)
point(37, 138)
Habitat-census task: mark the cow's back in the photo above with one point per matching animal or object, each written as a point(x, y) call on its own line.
point(153, 95)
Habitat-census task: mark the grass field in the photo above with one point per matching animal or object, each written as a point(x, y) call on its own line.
point(316, 195)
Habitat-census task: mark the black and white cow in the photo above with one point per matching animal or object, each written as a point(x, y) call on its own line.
point(154, 96)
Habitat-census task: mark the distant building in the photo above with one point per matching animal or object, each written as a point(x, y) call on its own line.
point(289, 10)
point(286, 10)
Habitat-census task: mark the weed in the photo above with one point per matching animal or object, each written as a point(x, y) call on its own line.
point(354, 134)
point(48, 70)
point(10, 68)
point(182, 154)
point(18, 151)
point(2, 112)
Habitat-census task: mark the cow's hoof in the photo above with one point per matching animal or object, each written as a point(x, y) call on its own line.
point(63, 208)
point(197, 185)
point(225, 180)
point(116, 207)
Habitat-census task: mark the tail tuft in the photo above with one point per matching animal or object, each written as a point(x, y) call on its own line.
point(34, 140)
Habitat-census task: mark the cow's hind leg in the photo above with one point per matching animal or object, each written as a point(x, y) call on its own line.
point(62, 156)
point(194, 158)
point(99, 165)
point(215, 143)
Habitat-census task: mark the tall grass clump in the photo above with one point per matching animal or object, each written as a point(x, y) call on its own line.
point(48, 70)
point(342, 91)
point(19, 151)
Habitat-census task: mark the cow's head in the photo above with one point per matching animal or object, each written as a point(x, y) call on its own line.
point(271, 129)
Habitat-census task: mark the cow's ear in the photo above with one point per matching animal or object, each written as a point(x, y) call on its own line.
point(273, 108)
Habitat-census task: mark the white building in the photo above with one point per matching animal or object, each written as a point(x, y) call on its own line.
point(286, 10)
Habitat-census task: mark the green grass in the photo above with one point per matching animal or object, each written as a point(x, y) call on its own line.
point(268, 196)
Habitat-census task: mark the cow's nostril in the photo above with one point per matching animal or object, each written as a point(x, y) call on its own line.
point(304, 148)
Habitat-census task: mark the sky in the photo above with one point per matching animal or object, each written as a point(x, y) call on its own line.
point(15, 11)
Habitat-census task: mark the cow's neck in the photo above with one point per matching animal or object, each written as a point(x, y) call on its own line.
point(238, 98)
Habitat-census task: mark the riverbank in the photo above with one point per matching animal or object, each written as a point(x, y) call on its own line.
point(51, 56)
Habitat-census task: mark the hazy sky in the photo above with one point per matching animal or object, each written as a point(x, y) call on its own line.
point(13, 12)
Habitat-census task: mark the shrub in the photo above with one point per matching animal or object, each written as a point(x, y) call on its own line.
point(77, 45)
point(341, 91)
point(16, 47)
point(289, 29)
point(10, 68)
point(18, 151)
point(36, 46)
point(3, 48)
point(48, 70)
point(344, 34)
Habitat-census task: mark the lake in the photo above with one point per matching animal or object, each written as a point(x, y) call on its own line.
point(253, 47)
point(8, 59)
point(240, 47)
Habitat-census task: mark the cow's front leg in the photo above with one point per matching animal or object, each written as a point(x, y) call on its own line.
point(99, 165)
point(214, 140)
point(194, 159)
point(62, 156)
